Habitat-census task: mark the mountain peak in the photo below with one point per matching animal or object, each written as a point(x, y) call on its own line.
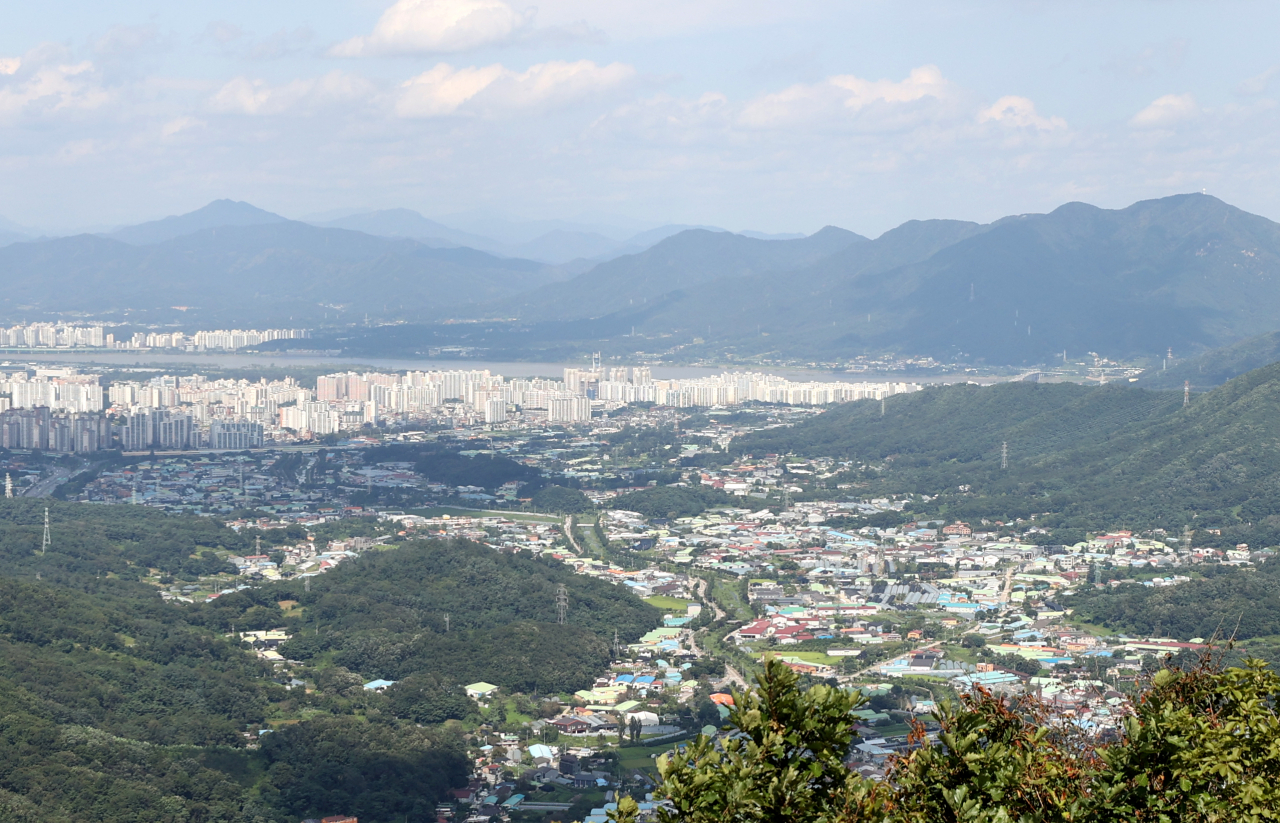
point(214, 215)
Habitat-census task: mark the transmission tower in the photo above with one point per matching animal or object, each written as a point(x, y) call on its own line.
point(616, 652)
point(562, 603)
point(8, 485)
point(1004, 455)
point(446, 624)
point(46, 541)
point(882, 405)
point(1186, 393)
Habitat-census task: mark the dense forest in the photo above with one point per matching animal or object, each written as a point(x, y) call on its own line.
point(1227, 602)
point(384, 615)
point(562, 500)
point(442, 464)
point(673, 501)
point(1081, 457)
point(118, 706)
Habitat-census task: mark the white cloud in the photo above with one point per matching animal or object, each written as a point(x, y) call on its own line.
point(843, 97)
point(444, 90)
point(1020, 113)
point(45, 81)
point(438, 26)
point(1259, 82)
point(1165, 111)
point(242, 95)
point(179, 124)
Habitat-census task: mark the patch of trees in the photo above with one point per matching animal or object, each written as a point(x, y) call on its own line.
point(130, 665)
point(448, 466)
point(384, 615)
point(1228, 601)
point(92, 541)
point(561, 500)
point(673, 501)
point(374, 771)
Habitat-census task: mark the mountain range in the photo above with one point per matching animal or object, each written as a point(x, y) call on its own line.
point(1188, 272)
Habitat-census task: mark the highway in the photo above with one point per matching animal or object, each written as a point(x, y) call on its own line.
point(45, 485)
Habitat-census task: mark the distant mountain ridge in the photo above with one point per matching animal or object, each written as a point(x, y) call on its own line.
point(1188, 272)
point(270, 272)
point(217, 214)
point(559, 244)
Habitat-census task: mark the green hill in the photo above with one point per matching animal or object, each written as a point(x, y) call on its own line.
point(118, 706)
point(1087, 457)
point(384, 616)
point(1216, 366)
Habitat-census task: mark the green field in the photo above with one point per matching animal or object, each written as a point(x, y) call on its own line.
point(808, 657)
point(670, 604)
point(640, 757)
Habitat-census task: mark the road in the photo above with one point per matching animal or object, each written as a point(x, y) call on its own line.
point(568, 532)
point(45, 485)
point(731, 675)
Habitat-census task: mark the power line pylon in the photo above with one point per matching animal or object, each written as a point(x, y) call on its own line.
point(1186, 393)
point(562, 603)
point(1004, 455)
point(46, 541)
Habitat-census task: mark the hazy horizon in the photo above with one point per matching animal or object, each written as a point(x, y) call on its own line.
point(744, 115)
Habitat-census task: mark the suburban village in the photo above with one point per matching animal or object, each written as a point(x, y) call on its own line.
point(785, 561)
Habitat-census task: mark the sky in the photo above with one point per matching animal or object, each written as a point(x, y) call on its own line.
point(745, 114)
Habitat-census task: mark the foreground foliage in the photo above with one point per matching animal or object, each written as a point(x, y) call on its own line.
point(1202, 745)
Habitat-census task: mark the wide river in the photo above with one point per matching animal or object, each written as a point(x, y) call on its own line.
point(513, 369)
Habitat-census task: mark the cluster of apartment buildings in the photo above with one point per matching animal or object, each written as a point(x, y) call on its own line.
point(95, 336)
point(193, 412)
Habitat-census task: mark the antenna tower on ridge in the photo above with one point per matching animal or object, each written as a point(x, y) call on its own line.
point(562, 603)
point(46, 541)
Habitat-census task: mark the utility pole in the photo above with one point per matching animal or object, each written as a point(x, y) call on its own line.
point(562, 603)
point(46, 541)
point(1004, 455)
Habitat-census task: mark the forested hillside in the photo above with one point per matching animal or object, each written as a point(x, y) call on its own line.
point(1226, 602)
point(118, 706)
point(1087, 457)
point(384, 616)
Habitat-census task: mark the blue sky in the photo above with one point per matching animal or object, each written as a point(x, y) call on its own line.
point(748, 115)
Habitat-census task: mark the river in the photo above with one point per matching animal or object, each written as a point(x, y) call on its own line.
point(231, 360)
